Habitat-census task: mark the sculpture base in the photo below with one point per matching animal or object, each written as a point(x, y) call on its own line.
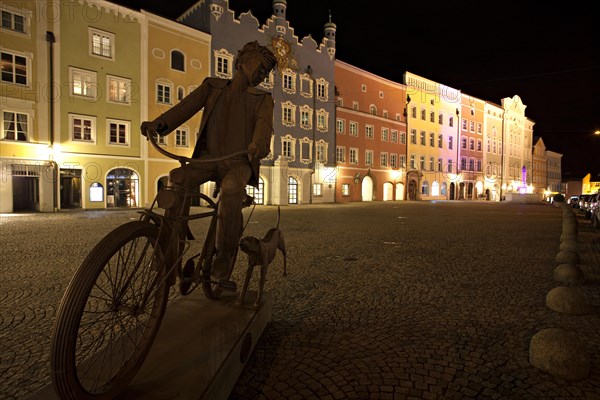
point(200, 350)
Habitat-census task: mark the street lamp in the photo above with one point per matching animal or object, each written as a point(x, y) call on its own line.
point(406, 140)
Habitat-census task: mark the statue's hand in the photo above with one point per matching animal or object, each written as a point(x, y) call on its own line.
point(255, 150)
point(158, 126)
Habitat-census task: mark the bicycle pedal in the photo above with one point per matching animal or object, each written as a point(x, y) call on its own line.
point(228, 285)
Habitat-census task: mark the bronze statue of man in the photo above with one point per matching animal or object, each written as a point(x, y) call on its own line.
point(236, 116)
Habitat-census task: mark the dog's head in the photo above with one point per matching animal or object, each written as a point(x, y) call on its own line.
point(250, 245)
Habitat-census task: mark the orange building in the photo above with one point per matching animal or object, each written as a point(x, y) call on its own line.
point(370, 136)
point(471, 148)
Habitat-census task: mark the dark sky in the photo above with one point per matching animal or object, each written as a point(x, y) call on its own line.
point(547, 55)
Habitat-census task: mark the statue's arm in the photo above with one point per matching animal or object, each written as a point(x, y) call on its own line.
point(264, 126)
point(186, 108)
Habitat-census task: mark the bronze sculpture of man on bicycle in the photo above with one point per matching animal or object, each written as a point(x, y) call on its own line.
point(236, 116)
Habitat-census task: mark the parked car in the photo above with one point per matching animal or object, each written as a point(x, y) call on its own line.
point(594, 209)
point(584, 200)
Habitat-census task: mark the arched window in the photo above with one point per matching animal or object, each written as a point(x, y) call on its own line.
point(372, 109)
point(177, 60)
point(435, 188)
point(292, 191)
point(444, 188)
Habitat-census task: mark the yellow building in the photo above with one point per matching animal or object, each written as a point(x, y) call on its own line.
point(176, 61)
point(432, 146)
point(27, 174)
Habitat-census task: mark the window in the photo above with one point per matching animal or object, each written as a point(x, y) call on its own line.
point(177, 61)
point(385, 132)
point(450, 121)
point(13, 21)
point(432, 116)
point(422, 163)
point(479, 128)
point(355, 105)
point(322, 120)
point(471, 165)
point(180, 93)
point(340, 154)
point(14, 68)
point(471, 144)
point(412, 161)
point(413, 136)
point(306, 149)
point(441, 119)
point(425, 188)
point(394, 136)
point(162, 140)
point(369, 157)
point(478, 144)
point(413, 112)
point(383, 159)
point(472, 126)
point(463, 163)
point(322, 152)
point(450, 144)
point(381, 94)
point(353, 128)
point(394, 160)
point(363, 87)
point(163, 93)
point(317, 189)
point(182, 137)
point(369, 132)
point(340, 126)
point(102, 44)
point(118, 89)
point(423, 112)
point(431, 139)
point(289, 81)
point(15, 126)
point(287, 148)
point(118, 132)
point(345, 189)
point(322, 86)
point(305, 117)
point(402, 137)
point(463, 143)
point(478, 165)
point(449, 165)
point(385, 113)
point(223, 64)
point(440, 140)
point(440, 164)
point(83, 83)
point(288, 111)
point(257, 193)
point(83, 129)
point(403, 161)
point(431, 164)
point(422, 138)
point(353, 156)
point(464, 124)
point(372, 109)
point(292, 191)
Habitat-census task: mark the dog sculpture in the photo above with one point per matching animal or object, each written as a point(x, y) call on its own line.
point(262, 252)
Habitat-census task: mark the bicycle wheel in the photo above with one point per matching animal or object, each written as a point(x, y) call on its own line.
point(110, 314)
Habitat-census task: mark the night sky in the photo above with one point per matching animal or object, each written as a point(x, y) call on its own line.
point(547, 55)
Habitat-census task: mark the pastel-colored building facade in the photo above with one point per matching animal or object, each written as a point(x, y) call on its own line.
point(471, 143)
point(370, 136)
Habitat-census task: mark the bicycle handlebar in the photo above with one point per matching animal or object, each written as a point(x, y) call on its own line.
point(150, 135)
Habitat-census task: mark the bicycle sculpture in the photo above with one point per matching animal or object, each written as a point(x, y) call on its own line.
point(113, 307)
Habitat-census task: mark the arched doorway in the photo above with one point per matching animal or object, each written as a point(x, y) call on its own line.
point(412, 190)
point(367, 189)
point(452, 190)
point(470, 191)
point(388, 191)
point(292, 191)
point(122, 188)
point(257, 193)
point(461, 191)
point(399, 191)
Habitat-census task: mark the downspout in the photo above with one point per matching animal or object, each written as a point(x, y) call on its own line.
point(51, 40)
point(502, 158)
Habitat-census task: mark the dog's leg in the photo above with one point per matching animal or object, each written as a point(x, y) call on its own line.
point(263, 277)
point(281, 246)
point(240, 299)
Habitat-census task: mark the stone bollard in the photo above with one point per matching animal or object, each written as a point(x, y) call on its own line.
point(567, 300)
point(559, 353)
point(568, 273)
point(568, 257)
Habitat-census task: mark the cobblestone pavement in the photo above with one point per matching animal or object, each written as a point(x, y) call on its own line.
point(418, 300)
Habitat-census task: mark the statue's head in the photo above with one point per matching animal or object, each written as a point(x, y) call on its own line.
point(253, 50)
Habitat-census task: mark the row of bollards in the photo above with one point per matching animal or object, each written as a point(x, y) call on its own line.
point(554, 350)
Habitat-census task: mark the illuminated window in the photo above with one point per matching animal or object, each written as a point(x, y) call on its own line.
point(394, 136)
point(368, 157)
point(425, 188)
point(353, 156)
point(317, 189)
point(102, 43)
point(14, 68)
point(13, 21)
point(340, 125)
point(383, 159)
point(15, 126)
point(340, 154)
point(118, 89)
point(385, 134)
point(292, 191)
point(163, 92)
point(182, 137)
point(83, 83)
point(353, 128)
point(369, 132)
point(394, 160)
point(345, 189)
